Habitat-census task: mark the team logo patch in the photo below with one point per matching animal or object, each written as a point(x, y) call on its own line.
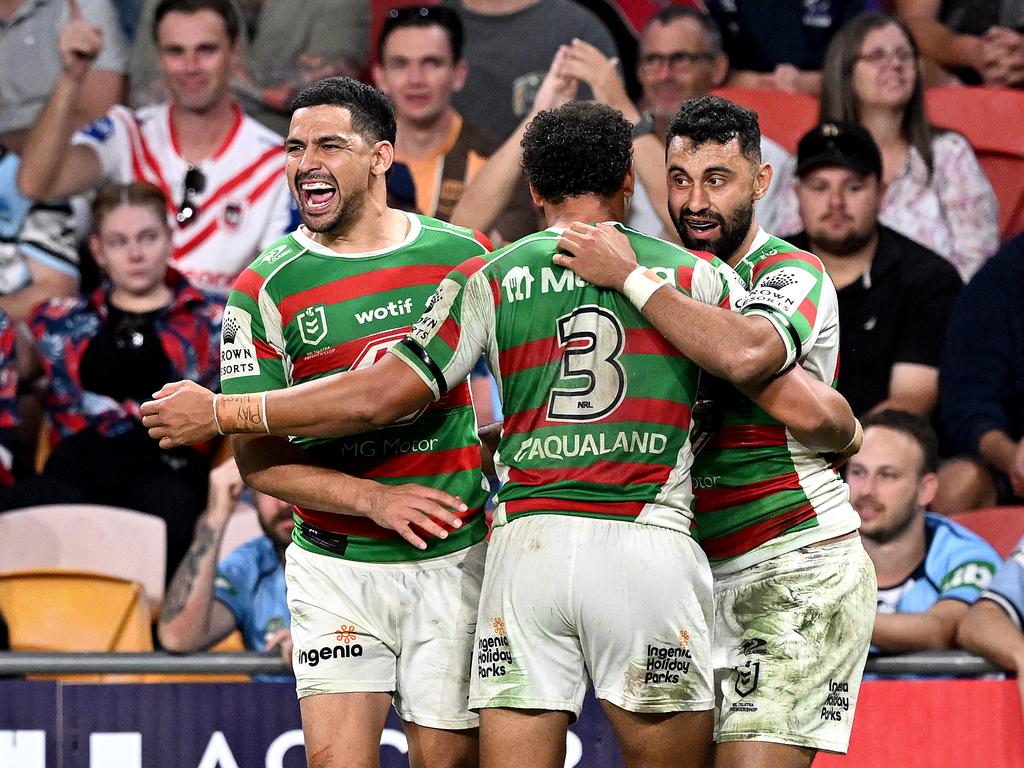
point(783, 290)
point(517, 284)
point(101, 129)
point(746, 678)
point(234, 214)
point(237, 350)
point(312, 324)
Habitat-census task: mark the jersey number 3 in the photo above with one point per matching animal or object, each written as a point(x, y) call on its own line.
point(592, 339)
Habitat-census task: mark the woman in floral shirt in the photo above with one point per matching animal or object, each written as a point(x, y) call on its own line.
point(936, 192)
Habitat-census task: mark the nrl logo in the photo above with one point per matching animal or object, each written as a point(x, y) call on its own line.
point(312, 324)
point(746, 678)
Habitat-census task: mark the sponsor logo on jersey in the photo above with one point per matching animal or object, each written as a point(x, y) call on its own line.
point(747, 677)
point(275, 253)
point(391, 309)
point(345, 647)
point(977, 574)
point(518, 282)
point(666, 664)
point(493, 654)
point(783, 290)
point(237, 351)
point(312, 323)
point(753, 645)
point(438, 307)
point(560, 447)
point(837, 702)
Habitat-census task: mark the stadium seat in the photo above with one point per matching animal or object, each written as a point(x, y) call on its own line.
point(68, 611)
point(87, 537)
point(990, 118)
point(784, 116)
point(243, 526)
point(1002, 527)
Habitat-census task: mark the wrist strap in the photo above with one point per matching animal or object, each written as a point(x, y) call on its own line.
point(640, 285)
point(241, 414)
point(216, 420)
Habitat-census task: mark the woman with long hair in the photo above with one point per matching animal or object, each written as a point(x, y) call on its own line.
point(935, 191)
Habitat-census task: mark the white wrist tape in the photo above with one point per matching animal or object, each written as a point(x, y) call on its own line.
point(263, 410)
point(216, 420)
point(640, 285)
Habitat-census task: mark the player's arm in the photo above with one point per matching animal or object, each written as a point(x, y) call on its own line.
point(737, 348)
point(275, 466)
point(192, 618)
point(183, 413)
point(931, 630)
point(815, 414)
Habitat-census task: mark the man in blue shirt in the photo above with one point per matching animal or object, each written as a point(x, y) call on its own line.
point(246, 591)
point(929, 568)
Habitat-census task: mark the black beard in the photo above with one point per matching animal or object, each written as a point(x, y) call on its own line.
point(732, 231)
point(342, 220)
point(843, 246)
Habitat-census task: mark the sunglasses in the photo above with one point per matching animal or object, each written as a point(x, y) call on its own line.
point(195, 183)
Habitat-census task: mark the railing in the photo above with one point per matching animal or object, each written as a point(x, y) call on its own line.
point(948, 663)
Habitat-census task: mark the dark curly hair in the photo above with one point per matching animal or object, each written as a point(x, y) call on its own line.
point(373, 115)
point(712, 118)
point(581, 148)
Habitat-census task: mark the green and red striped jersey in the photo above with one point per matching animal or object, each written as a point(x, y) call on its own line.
point(759, 492)
point(302, 311)
point(596, 402)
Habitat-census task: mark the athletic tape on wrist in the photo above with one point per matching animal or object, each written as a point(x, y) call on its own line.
point(216, 419)
point(640, 285)
point(263, 412)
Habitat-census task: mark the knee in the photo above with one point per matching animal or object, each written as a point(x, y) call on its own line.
point(964, 485)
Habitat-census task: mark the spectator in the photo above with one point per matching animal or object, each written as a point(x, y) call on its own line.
point(420, 65)
point(780, 45)
point(8, 401)
point(935, 191)
point(106, 353)
point(929, 569)
point(895, 296)
point(994, 625)
point(509, 47)
point(681, 57)
point(981, 395)
point(205, 601)
point(980, 42)
point(224, 168)
point(285, 46)
point(39, 243)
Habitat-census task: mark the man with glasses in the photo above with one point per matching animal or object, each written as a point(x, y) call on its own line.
point(220, 170)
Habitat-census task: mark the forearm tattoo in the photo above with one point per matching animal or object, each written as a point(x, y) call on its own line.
point(185, 578)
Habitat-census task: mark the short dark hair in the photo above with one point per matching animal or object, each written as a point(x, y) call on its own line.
point(581, 148)
point(422, 16)
point(373, 115)
point(912, 425)
point(712, 118)
point(707, 24)
point(222, 8)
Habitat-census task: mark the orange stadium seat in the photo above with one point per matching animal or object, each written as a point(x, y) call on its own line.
point(69, 611)
point(991, 119)
point(1002, 527)
point(784, 116)
point(87, 537)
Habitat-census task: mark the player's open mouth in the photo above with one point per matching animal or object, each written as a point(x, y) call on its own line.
point(317, 195)
point(701, 227)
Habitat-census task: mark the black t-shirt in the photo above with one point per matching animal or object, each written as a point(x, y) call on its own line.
point(125, 359)
point(896, 313)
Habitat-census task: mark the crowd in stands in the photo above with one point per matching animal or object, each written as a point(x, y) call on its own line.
point(141, 171)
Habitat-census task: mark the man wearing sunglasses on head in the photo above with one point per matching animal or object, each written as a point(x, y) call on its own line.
point(220, 170)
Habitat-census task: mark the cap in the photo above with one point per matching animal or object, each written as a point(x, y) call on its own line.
point(840, 143)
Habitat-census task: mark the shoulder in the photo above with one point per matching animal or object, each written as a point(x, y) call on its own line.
point(245, 563)
point(917, 263)
point(952, 544)
point(773, 153)
point(776, 254)
point(476, 139)
point(471, 239)
point(58, 309)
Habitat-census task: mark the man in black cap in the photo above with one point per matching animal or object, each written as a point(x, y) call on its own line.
point(895, 296)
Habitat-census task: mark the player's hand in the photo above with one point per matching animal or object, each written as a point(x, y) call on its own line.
point(600, 254)
point(79, 43)
point(586, 63)
point(281, 641)
point(406, 508)
point(181, 413)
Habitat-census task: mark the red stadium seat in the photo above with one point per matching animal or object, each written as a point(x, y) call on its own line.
point(1002, 527)
point(991, 119)
point(784, 116)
